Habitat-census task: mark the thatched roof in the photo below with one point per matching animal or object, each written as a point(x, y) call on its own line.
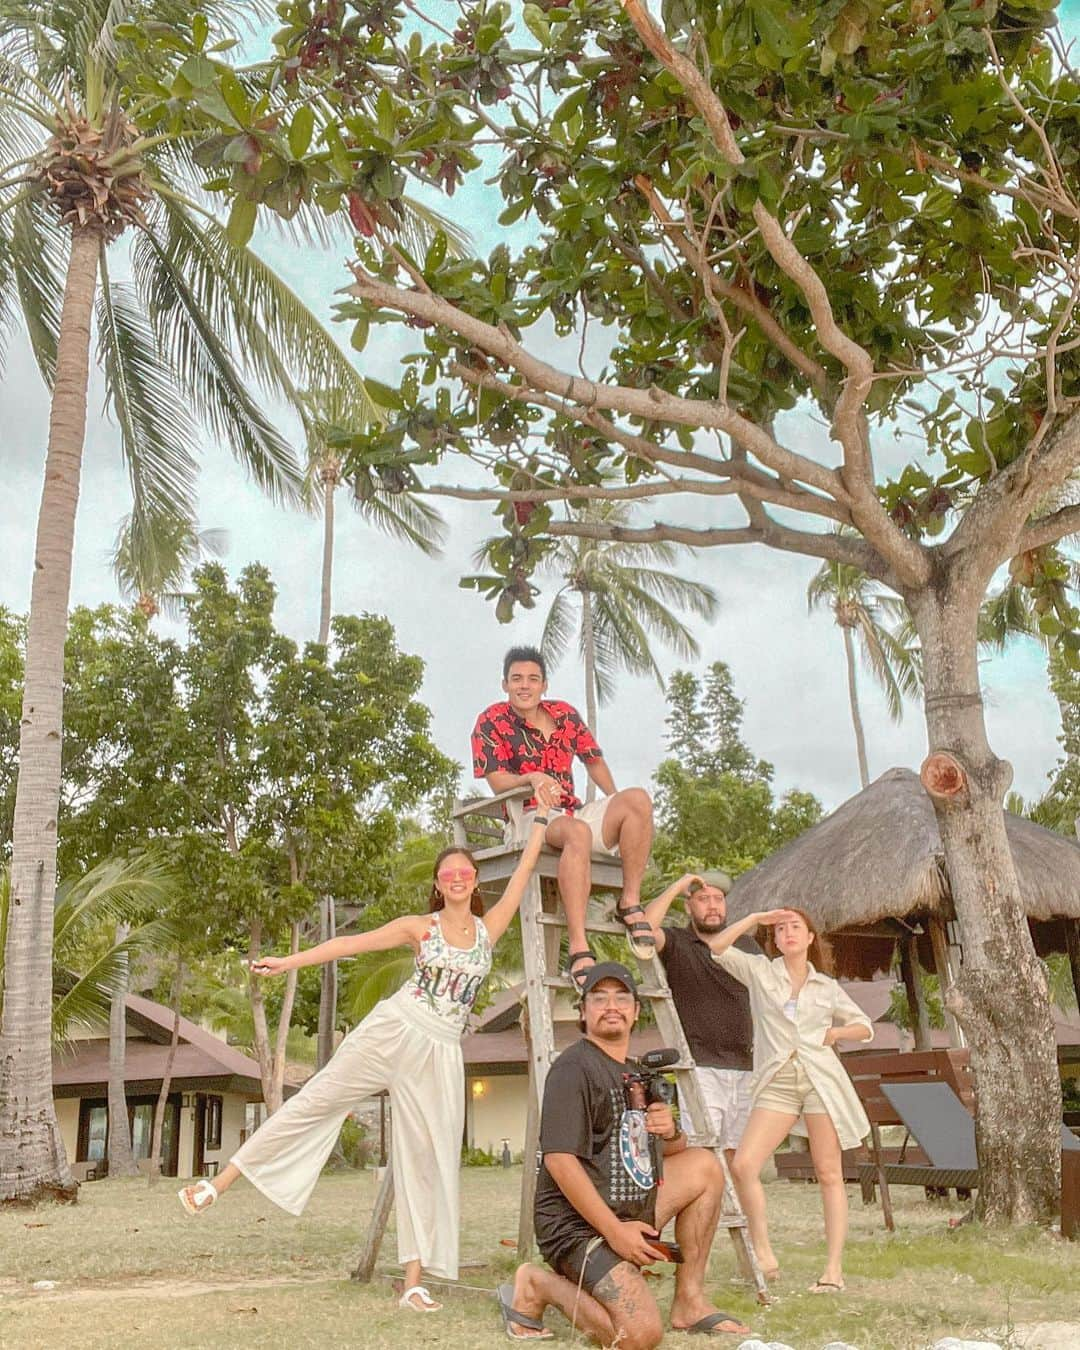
point(878, 857)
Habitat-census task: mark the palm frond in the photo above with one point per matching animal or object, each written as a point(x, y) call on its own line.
point(117, 890)
point(280, 337)
point(372, 978)
point(39, 251)
point(655, 618)
point(155, 555)
point(155, 429)
point(403, 516)
point(205, 371)
point(674, 590)
point(870, 641)
point(558, 628)
point(85, 1004)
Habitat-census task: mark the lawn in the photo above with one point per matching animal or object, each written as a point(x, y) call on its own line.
point(129, 1265)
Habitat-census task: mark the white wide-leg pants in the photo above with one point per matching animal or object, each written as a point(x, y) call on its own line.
point(416, 1055)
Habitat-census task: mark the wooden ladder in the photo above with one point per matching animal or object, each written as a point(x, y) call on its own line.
point(478, 826)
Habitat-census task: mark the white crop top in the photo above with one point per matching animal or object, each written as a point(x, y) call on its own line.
point(446, 980)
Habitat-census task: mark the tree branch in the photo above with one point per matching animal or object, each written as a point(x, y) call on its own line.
point(1050, 529)
point(756, 482)
point(849, 423)
point(651, 405)
point(742, 299)
point(836, 548)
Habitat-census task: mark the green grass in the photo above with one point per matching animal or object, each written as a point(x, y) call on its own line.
point(130, 1265)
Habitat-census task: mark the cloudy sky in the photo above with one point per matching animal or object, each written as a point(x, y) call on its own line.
point(787, 665)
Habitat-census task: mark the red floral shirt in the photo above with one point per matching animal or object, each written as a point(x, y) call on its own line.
point(502, 741)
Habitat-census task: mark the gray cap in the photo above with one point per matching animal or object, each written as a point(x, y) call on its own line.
point(716, 878)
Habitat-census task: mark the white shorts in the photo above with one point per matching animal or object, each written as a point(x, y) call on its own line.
point(592, 813)
point(727, 1100)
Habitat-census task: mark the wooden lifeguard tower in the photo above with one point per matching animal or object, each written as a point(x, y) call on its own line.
point(479, 825)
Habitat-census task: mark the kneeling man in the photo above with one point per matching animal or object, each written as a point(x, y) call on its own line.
point(599, 1206)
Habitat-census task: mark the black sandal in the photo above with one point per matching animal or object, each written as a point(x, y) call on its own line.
point(639, 934)
point(575, 959)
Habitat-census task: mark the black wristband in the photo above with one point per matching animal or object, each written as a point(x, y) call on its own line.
point(538, 819)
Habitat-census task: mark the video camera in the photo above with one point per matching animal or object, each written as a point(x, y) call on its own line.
point(647, 1084)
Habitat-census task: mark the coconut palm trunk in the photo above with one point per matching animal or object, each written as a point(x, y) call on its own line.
point(166, 1075)
point(328, 985)
point(29, 1134)
point(588, 646)
point(121, 1160)
point(853, 699)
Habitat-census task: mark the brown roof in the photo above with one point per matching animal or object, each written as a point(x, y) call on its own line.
point(202, 1059)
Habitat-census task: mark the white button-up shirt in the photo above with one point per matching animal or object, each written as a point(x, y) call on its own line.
point(821, 1004)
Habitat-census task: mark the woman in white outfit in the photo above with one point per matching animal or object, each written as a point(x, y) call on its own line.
point(799, 1084)
point(410, 1045)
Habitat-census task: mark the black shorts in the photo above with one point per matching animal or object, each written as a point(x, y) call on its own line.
point(585, 1265)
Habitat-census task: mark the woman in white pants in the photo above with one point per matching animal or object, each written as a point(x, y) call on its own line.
point(410, 1045)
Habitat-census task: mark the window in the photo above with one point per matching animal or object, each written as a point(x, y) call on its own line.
point(213, 1122)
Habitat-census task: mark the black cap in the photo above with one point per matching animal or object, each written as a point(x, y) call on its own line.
point(608, 970)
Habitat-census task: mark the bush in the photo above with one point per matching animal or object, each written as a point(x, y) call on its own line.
point(479, 1157)
point(354, 1143)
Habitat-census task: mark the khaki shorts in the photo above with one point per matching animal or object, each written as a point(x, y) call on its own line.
point(592, 813)
point(726, 1093)
point(791, 1091)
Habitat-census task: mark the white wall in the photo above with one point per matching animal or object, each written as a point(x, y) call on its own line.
point(67, 1114)
point(499, 1113)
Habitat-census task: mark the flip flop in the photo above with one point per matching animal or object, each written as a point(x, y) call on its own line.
point(427, 1303)
point(825, 1287)
point(575, 959)
point(639, 934)
point(705, 1326)
point(204, 1196)
point(512, 1318)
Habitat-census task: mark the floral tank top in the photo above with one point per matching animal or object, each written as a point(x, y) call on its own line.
point(445, 979)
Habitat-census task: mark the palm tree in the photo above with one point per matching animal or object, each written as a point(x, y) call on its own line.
point(151, 566)
point(625, 595)
point(859, 607)
point(333, 418)
point(76, 175)
point(116, 892)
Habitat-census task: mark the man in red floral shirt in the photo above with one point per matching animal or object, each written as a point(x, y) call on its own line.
point(532, 740)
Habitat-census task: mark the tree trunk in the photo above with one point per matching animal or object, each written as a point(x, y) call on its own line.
point(853, 699)
point(121, 1160)
point(328, 990)
point(329, 487)
point(33, 1163)
point(166, 1076)
point(284, 1021)
point(588, 644)
point(909, 972)
point(271, 1058)
point(1000, 995)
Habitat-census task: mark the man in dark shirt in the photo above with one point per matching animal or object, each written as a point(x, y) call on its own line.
point(530, 740)
point(598, 1208)
point(713, 1006)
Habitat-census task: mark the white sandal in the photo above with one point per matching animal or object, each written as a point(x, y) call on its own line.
point(203, 1197)
point(428, 1304)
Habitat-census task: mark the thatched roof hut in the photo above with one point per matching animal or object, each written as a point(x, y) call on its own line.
point(875, 869)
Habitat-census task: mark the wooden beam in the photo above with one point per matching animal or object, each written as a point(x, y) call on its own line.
point(943, 963)
point(1072, 946)
point(909, 971)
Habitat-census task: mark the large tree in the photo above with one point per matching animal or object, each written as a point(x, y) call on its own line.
point(796, 245)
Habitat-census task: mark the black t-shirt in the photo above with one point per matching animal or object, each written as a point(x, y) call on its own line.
point(713, 1006)
point(585, 1114)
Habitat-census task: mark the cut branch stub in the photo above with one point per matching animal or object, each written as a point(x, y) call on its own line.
point(943, 776)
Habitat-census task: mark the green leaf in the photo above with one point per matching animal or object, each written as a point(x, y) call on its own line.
point(359, 335)
point(199, 72)
point(200, 31)
point(241, 225)
point(236, 100)
point(301, 130)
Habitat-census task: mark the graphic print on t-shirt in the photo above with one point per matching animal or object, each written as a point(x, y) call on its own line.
point(635, 1173)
